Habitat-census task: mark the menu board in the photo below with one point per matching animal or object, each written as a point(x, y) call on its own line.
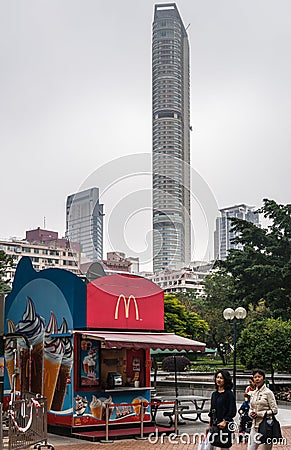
point(89, 362)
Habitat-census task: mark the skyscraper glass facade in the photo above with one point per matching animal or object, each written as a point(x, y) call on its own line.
point(171, 139)
point(84, 222)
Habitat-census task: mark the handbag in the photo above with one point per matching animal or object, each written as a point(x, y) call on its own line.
point(269, 429)
point(221, 437)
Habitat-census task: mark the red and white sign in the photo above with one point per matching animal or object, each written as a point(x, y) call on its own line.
point(125, 302)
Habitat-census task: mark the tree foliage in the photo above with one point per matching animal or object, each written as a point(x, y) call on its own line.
point(219, 289)
point(181, 322)
point(5, 262)
point(261, 268)
point(266, 344)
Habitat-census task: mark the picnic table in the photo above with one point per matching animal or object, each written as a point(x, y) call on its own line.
point(188, 407)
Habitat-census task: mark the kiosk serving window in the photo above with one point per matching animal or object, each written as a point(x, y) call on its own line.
point(89, 362)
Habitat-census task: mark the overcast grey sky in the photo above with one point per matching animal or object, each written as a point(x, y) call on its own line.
point(75, 86)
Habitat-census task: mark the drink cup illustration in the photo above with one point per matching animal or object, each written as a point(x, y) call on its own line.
point(86, 364)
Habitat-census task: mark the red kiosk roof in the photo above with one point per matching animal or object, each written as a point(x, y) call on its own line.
point(124, 301)
point(136, 340)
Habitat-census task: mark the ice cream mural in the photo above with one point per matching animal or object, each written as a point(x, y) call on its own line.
point(65, 370)
point(32, 325)
point(92, 409)
point(11, 355)
point(53, 354)
point(44, 365)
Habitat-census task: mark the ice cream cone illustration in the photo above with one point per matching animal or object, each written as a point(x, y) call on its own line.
point(65, 370)
point(32, 325)
point(53, 353)
point(96, 407)
point(10, 357)
point(136, 402)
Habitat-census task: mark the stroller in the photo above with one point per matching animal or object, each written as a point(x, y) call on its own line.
point(245, 421)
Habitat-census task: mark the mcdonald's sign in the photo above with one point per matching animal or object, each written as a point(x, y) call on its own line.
point(126, 302)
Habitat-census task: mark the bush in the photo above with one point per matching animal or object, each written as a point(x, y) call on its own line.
point(182, 363)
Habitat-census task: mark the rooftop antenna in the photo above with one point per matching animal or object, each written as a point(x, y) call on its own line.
point(44, 222)
point(188, 26)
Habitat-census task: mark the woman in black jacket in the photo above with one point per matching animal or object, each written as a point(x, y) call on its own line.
point(222, 411)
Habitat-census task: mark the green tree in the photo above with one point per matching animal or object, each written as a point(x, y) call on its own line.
point(219, 290)
point(261, 269)
point(181, 322)
point(266, 344)
point(5, 262)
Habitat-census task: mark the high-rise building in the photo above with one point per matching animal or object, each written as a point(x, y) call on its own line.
point(171, 139)
point(84, 222)
point(223, 235)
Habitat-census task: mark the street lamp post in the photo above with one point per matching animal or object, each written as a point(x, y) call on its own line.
point(234, 317)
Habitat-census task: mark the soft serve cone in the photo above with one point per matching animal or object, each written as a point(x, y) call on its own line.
point(53, 353)
point(31, 361)
point(96, 407)
point(65, 369)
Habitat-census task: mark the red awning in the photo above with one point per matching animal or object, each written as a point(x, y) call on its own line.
point(137, 340)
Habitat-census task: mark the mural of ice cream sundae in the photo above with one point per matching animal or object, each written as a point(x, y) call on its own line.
point(53, 354)
point(90, 364)
point(33, 326)
point(81, 404)
point(65, 370)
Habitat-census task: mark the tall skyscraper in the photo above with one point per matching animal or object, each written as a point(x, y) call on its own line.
point(84, 222)
point(171, 139)
point(223, 235)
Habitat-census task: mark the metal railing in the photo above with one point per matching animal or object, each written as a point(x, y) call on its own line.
point(26, 423)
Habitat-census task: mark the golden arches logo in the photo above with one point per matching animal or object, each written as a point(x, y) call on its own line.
point(126, 302)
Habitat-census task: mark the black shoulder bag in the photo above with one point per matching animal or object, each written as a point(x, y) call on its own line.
point(220, 437)
point(269, 429)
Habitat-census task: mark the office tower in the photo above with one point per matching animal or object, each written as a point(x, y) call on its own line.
point(171, 139)
point(223, 234)
point(84, 222)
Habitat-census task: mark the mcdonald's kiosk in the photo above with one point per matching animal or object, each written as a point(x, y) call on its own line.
point(89, 343)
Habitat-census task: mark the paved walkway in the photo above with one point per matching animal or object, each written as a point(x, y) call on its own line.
point(167, 444)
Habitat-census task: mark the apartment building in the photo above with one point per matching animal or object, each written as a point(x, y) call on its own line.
point(43, 255)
